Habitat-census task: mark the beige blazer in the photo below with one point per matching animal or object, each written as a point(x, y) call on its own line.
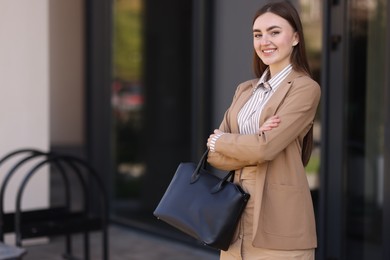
point(286, 218)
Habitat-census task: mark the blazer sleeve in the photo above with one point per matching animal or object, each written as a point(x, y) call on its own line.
point(297, 112)
point(225, 124)
point(219, 160)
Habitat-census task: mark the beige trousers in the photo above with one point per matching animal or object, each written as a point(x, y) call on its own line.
point(242, 248)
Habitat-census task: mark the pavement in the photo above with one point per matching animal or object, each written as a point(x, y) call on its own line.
point(124, 243)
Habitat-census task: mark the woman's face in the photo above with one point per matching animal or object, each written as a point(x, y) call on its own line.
point(274, 40)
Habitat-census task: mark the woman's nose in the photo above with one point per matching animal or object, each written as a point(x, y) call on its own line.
point(264, 40)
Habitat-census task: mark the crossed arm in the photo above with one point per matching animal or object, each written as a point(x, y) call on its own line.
point(268, 125)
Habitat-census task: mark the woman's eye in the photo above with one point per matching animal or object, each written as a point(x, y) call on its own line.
point(275, 33)
point(257, 35)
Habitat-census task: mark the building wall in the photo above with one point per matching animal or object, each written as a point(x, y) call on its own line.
point(24, 98)
point(232, 50)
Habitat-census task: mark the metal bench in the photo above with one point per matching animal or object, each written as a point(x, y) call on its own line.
point(59, 220)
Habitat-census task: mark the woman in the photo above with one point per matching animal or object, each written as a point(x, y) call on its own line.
point(266, 137)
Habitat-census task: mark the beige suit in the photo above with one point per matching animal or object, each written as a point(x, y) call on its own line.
point(285, 220)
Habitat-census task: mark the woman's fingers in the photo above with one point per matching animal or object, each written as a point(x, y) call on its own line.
point(271, 123)
point(217, 131)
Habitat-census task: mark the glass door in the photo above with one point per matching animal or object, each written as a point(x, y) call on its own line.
point(127, 101)
point(150, 105)
point(364, 109)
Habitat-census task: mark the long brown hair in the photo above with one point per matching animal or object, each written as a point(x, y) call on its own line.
point(298, 60)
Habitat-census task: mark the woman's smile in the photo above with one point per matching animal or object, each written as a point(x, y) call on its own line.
point(269, 51)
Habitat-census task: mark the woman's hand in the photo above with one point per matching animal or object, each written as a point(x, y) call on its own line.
point(270, 124)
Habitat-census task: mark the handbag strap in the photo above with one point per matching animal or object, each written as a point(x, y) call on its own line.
point(222, 183)
point(202, 164)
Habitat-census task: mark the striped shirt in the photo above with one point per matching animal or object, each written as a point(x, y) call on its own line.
point(249, 115)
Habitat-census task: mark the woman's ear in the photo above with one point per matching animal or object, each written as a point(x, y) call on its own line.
point(296, 41)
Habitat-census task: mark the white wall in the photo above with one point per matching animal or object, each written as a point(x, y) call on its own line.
point(24, 90)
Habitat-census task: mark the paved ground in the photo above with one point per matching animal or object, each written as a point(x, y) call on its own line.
point(124, 244)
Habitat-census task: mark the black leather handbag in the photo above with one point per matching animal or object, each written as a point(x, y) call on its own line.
point(202, 205)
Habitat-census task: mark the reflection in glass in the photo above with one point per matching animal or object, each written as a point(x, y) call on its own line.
point(127, 104)
point(364, 114)
point(311, 16)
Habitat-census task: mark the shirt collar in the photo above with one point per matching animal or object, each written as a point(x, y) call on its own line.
point(273, 82)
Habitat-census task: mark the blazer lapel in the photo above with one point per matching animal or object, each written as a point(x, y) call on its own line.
point(277, 98)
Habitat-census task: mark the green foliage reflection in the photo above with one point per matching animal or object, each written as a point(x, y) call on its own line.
point(127, 40)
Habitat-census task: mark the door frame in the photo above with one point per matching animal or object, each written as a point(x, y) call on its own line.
point(331, 218)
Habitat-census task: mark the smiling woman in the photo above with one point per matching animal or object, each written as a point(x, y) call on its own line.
point(266, 138)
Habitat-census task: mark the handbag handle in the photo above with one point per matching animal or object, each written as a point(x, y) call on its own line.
point(202, 164)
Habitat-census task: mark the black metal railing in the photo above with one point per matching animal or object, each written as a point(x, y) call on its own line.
point(57, 220)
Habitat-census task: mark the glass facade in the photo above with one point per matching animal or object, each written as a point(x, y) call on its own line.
point(311, 16)
point(364, 113)
point(150, 105)
point(127, 100)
